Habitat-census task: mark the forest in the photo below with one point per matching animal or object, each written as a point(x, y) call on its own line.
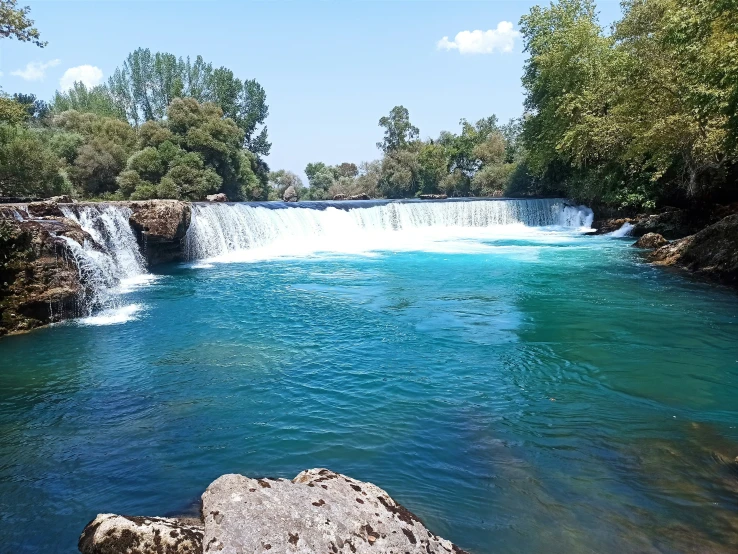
point(640, 115)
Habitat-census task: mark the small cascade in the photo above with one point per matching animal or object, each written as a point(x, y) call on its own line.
point(219, 229)
point(624, 231)
point(112, 260)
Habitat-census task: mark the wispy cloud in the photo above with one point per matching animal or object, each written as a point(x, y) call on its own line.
point(35, 71)
point(501, 39)
point(87, 74)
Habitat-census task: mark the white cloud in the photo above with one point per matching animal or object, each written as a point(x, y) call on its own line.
point(35, 71)
point(501, 39)
point(87, 74)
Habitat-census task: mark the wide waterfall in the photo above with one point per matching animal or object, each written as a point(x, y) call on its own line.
point(222, 229)
point(113, 262)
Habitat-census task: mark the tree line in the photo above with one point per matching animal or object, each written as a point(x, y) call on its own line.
point(162, 127)
point(639, 115)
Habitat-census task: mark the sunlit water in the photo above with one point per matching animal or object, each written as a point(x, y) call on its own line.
point(520, 390)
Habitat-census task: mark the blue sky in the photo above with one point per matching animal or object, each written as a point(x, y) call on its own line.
point(330, 69)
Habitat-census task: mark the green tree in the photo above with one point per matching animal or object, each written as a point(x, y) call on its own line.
point(14, 23)
point(28, 167)
point(398, 131)
point(280, 180)
point(96, 100)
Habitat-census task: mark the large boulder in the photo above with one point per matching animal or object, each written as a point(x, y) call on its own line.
point(712, 252)
point(290, 194)
point(160, 226)
point(318, 511)
point(651, 240)
point(433, 196)
point(220, 197)
point(113, 534)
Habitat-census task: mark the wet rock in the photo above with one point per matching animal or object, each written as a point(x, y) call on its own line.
point(651, 240)
point(39, 278)
point(46, 208)
point(113, 534)
point(605, 226)
point(220, 197)
point(318, 511)
point(713, 252)
point(160, 226)
point(290, 194)
point(433, 196)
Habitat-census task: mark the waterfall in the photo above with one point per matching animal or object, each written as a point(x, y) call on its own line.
point(220, 229)
point(109, 264)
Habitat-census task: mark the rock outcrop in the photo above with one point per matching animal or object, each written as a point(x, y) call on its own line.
point(651, 240)
point(220, 197)
point(160, 226)
point(110, 534)
point(605, 226)
point(361, 196)
point(712, 252)
point(317, 511)
point(433, 196)
point(39, 279)
point(290, 194)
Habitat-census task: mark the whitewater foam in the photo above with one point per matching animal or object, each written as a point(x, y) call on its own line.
point(250, 233)
point(113, 316)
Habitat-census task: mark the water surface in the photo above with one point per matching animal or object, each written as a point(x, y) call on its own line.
point(521, 391)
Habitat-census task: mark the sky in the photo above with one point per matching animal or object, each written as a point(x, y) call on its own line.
point(330, 69)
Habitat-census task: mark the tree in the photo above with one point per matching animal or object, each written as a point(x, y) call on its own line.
point(96, 100)
point(398, 131)
point(35, 109)
point(320, 178)
point(190, 154)
point(14, 23)
point(280, 181)
point(27, 166)
point(145, 86)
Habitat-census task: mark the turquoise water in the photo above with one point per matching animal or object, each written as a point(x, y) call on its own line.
point(546, 393)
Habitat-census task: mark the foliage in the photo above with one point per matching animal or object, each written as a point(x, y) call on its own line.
point(638, 116)
point(14, 23)
point(96, 100)
point(27, 166)
point(398, 131)
point(192, 153)
point(280, 181)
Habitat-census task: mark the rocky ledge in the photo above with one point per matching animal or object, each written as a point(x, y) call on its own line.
point(40, 281)
point(712, 252)
point(317, 511)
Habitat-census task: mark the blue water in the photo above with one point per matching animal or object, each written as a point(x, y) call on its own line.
point(550, 393)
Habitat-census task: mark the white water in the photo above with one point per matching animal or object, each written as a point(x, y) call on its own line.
point(624, 231)
point(242, 232)
point(110, 265)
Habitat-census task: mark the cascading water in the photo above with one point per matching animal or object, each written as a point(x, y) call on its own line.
point(221, 229)
point(112, 263)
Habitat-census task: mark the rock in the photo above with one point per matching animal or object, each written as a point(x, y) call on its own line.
point(651, 240)
point(46, 208)
point(111, 534)
point(318, 511)
point(220, 197)
point(712, 252)
point(39, 278)
point(433, 196)
point(605, 226)
point(160, 226)
point(361, 196)
point(671, 223)
point(63, 199)
point(290, 194)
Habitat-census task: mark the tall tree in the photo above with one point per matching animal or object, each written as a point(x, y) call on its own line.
point(398, 131)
